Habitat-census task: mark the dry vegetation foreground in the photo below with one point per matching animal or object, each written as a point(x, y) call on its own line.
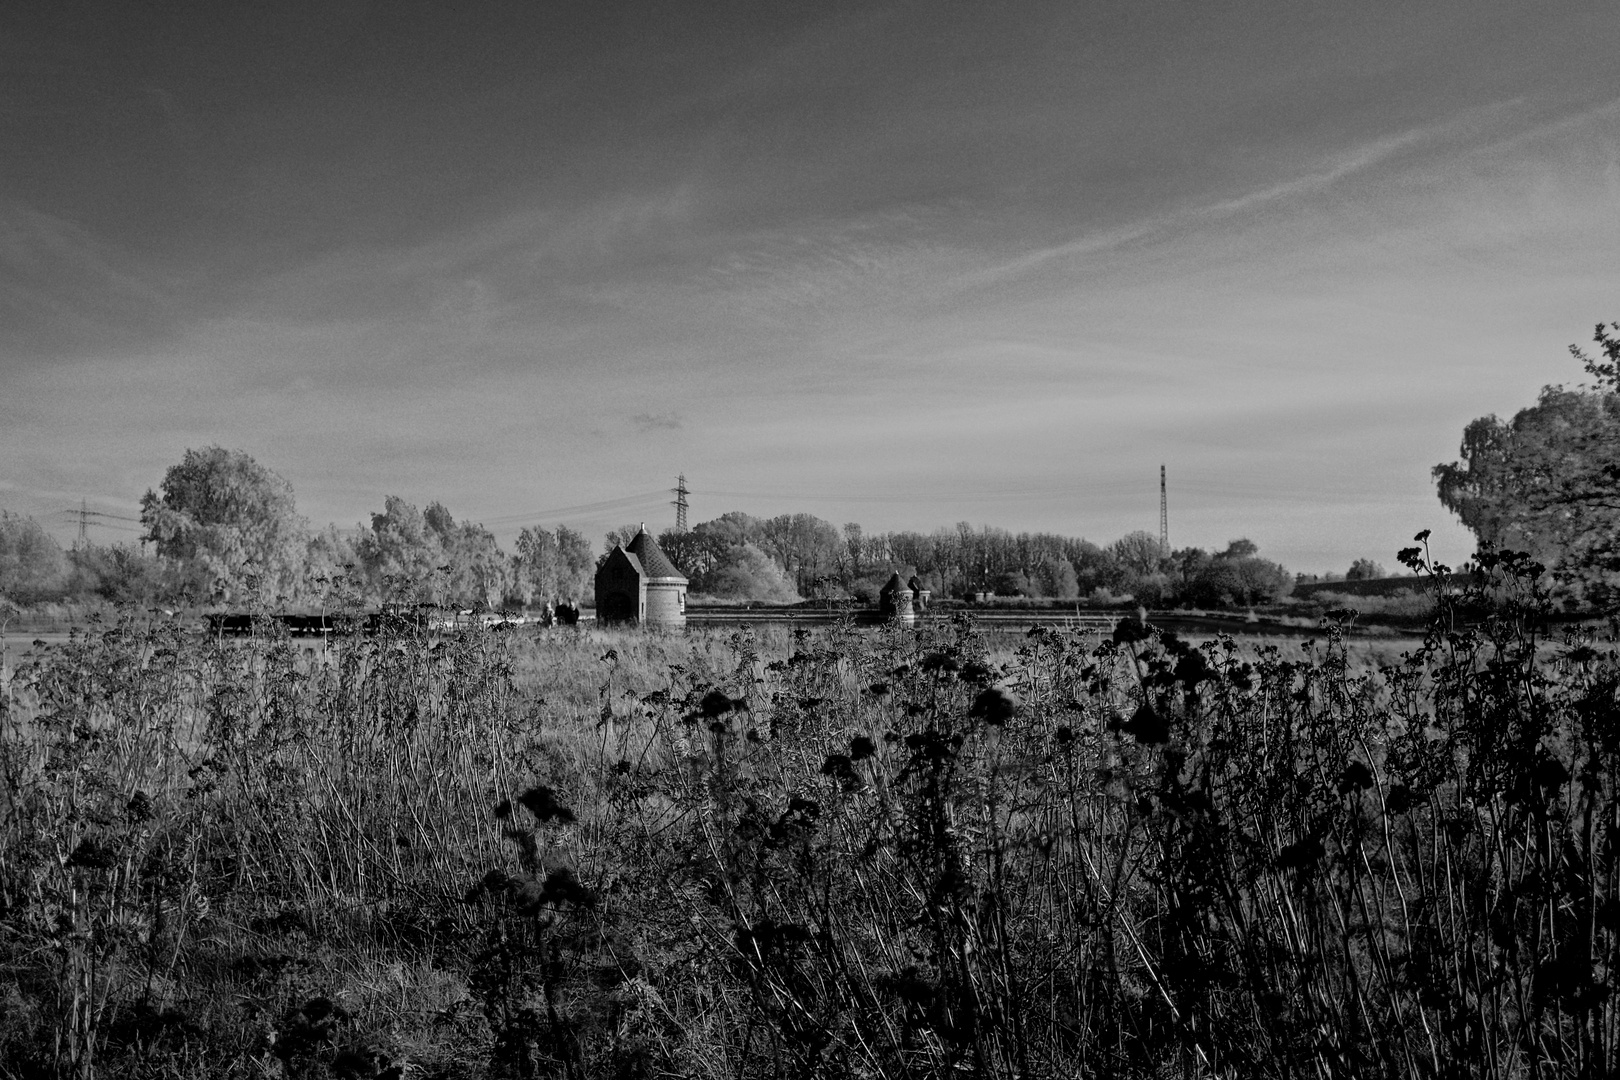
point(835, 853)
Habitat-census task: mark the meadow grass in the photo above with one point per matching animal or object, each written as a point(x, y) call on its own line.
point(832, 852)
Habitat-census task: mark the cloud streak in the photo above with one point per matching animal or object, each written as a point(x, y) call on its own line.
point(1327, 174)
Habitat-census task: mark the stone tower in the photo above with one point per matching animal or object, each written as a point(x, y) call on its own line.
point(638, 584)
point(895, 601)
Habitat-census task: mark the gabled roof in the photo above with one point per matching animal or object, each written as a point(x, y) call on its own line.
point(634, 562)
point(654, 563)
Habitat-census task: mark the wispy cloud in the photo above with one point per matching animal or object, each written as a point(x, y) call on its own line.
point(59, 282)
point(1324, 175)
point(1605, 112)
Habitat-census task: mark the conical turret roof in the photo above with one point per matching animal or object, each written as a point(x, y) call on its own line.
point(654, 563)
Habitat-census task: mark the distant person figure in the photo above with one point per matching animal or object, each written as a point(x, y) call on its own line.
point(567, 614)
point(547, 615)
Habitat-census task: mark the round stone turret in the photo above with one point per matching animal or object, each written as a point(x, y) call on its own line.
point(638, 584)
point(895, 602)
point(666, 585)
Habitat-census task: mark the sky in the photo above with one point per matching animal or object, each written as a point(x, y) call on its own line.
point(905, 264)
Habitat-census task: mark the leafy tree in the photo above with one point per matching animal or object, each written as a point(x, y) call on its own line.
point(1187, 566)
point(709, 546)
point(1013, 583)
point(805, 546)
point(1237, 576)
point(576, 565)
point(1093, 567)
point(620, 537)
point(1137, 554)
point(1604, 367)
point(750, 574)
point(539, 567)
point(426, 556)
point(122, 574)
point(1548, 481)
point(685, 549)
point(1241, 548)
point(1055, 577)
point(32, 565)
point(1365, 570)
point(480, 572)
point(401, 553)
point(231, 515)
point(854, 550)
point(329, 556)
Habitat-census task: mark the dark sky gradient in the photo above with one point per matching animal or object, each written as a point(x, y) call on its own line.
point(905, 264)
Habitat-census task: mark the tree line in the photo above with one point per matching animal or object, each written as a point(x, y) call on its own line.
point(225, 530)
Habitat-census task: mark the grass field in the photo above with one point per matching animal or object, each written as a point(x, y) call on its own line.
point(840, 852)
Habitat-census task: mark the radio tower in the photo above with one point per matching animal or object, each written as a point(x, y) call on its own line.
point(1164, 518)
point(680, 502)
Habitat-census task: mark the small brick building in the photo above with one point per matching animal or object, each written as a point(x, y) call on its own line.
point(895, 601)
point(638, 584)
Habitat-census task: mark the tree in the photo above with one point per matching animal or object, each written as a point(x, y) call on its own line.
point(620, 537)
point(1548, 481)
point(709, 546)
point(480, 572)
point(1237, 576)
point(1012, 583)
point(804, 545)
point(122, 574)
point(401, 553)
point(1055, 577)
point(1365, 570)
point(1241, 548)
point(234, 517)
point(1187, 566)
point(424, 555)
point(854, 549)
point(576, 565)
point(685, 549)
point(1137, 554)
point(538, 565)
point(750, 574)
point(32, 565)
point(329, 556)
point(1093, 566)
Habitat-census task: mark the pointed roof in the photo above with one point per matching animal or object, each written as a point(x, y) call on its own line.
point(652, 558)
point(630, 558)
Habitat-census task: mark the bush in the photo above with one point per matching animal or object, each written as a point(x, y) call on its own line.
point(32, 565)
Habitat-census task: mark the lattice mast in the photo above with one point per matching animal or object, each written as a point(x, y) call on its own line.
point(1164, 517)
point(680, 492)
point(84, 517)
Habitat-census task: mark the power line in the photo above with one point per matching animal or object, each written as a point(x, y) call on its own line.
point(1064, 491)
point(84, 516)
point(646, 498)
